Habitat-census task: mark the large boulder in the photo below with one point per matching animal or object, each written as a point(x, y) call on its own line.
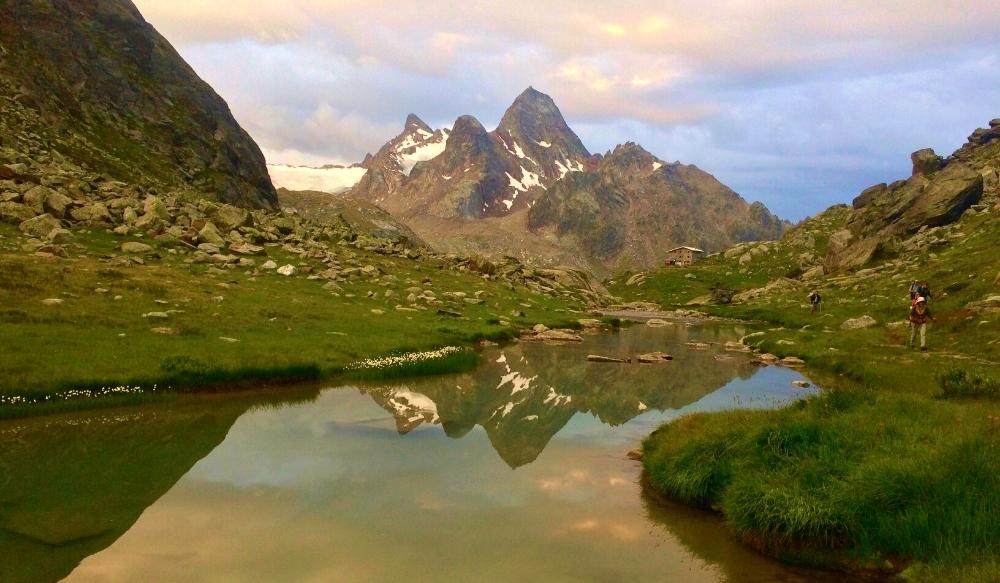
point(41, 226)
point(949, 194)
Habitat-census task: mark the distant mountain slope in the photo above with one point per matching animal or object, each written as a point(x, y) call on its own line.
point(630, 207)
point(95, 83)
point(532, 190)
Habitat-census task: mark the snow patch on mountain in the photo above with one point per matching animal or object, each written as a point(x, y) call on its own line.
point(568, 166)
point(333, 179)
point(544, 144)
point(414, 405)
point(657, 166)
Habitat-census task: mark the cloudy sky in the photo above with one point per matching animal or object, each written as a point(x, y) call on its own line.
point(797, 104)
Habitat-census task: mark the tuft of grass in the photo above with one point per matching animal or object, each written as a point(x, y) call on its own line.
point(962, 382)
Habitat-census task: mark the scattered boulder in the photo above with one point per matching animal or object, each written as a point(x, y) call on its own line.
point(554, 336)
point(165, 331)
point(269, 266)
point(229, 217)
point(656, 323)
point(801, 384)
point(287, 270)
point(40, 226)
point(94, 212)
point(53, 301)
point(156, 315)
point(155, 207)
point(792, 362)
point(210, 234)
point(247, 249)
point(865, 321)
point(136, 248)
point(13, 212)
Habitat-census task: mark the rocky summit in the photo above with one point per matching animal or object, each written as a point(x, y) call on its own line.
point(531, 189)
point(90, 88)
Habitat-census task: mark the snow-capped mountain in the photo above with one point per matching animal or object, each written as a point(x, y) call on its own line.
point(476, 173)
point(530, 189)
point(392, 164)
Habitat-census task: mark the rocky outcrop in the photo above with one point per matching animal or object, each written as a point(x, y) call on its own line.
point(886, 217)
point(92, 84)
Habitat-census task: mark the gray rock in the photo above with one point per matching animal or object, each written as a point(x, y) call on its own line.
point(287, 270)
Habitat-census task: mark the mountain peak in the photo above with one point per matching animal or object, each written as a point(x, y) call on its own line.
point(534, 118)
point(413, 122)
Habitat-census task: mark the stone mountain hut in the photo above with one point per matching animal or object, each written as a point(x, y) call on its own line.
point(683, 256)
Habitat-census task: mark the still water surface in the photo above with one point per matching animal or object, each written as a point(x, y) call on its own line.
point(514, 471)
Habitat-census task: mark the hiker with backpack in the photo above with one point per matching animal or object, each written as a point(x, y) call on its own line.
point(920, 316)
point(815, 300)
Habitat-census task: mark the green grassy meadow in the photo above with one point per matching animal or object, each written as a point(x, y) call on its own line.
point(229, 326)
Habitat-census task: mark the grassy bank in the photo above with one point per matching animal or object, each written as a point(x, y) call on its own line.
point(186, 326)
point(896, 469)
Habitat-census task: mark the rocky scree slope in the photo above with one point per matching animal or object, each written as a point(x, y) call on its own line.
point(599, 212)
point(92, 85)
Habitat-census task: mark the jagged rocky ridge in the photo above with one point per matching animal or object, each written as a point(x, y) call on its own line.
point(530, 188)
point(92, 85)
point(888, 219)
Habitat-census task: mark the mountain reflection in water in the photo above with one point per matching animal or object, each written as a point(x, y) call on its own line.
point(525, 393)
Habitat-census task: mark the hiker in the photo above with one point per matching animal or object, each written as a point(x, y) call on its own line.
point(920, 315)
point(924, 291)
point(914, 290)
point(815, 299)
